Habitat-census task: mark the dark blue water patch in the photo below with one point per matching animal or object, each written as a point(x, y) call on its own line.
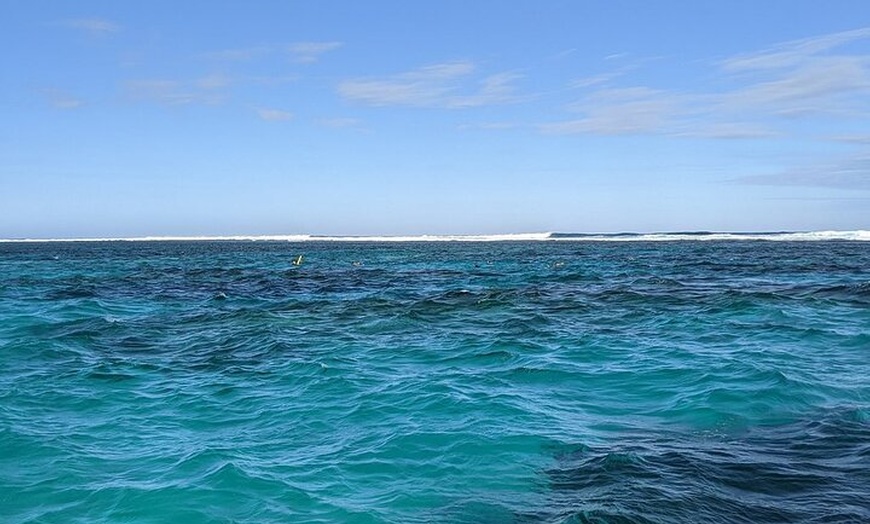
point(809, 471)
point(855, 292)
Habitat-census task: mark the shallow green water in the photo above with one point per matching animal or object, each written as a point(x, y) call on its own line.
point(510, 382)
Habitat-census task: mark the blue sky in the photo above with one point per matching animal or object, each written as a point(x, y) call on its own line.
point(448, 117)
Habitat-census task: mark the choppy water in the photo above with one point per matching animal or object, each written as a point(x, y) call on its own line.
point(512, 382)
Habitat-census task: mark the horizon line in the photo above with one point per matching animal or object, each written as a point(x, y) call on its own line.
point(862, 235)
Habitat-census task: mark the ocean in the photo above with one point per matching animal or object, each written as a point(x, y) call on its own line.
point(676, 378)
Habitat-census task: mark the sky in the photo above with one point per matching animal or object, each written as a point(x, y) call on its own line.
point(397, 117)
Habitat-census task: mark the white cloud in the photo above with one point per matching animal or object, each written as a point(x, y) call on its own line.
point(620, 111)
point(448, 85)
point(173, 92)
point(426, 86)
point(791, 54)
point(493, 89)
point(565, 53)
point(214, 81)
point(851, 173)
point(340, 123)
point(852, 139)
point(728, 130)
point(801, 79)
point(824, 85)
point(93, 26)
point(274, 115)
point(591, 81)
point(300, 52)
point(490, 126)
point(307, 52)
point(61, 99)
point(240, 54)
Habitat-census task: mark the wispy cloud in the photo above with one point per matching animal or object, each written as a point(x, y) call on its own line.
point(852, 139)
point(427, 86)
point(728, 131)
point(274, 115)
point(493, 89)
point(299, 52)
point(242, 54)
point(801, 79)
point(565, 53)
point(851, 173)
point(446, 85)
point(308, 52)
point(792, 54)
point(92, 26)
point(592, 81)
point(824, 86)
point(176, 93)
point(340, 123)
point(489, 126)
point(619, 111)
point(61, 99)
point(213, 81)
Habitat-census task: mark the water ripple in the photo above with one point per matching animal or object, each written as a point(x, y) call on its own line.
point(518, 382)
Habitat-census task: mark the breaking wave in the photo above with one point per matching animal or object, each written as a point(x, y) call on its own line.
point(776, 236)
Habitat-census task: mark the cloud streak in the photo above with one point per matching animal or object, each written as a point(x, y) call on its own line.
point(851, 173)
point(274, 115)
point(243, 54)
point(92, 26)
point(800, 79)
point(340, 123)
point(206, 91)
point(620, 111)
point(792, 54)
point(827, 85)
point(298, 52)
point(61, 99)
point(451, 85)
point(309, 52)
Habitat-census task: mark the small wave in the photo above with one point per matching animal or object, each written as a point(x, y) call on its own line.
point(854, 292)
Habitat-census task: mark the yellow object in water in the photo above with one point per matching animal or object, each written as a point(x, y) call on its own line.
point(297, 261)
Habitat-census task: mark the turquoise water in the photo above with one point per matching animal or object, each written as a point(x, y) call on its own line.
point(482, 382)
